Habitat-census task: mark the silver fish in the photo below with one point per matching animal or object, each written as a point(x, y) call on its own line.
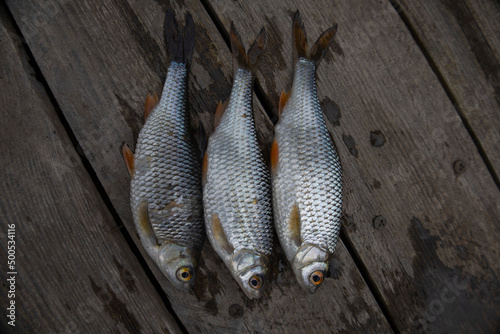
point(305, 169)
point(165, 191)
point(237, 186)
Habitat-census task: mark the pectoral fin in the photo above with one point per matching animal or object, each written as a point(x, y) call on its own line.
point(145, 226)
point(294, 225)
point(220, 236)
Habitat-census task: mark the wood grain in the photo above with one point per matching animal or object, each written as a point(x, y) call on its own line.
point(75, 271)
point(434, 260)
point(100, 59)
point(462, 39)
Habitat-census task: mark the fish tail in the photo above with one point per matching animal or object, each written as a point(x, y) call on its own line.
point(319, 48)
point(242, 59)
point(180, 44)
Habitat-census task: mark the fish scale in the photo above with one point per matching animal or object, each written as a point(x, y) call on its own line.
point(165, 190)
point(309, 172)
point(237, 189)
point(240, 167)
point(167, 169)
point(306, 170)
point(318, 183)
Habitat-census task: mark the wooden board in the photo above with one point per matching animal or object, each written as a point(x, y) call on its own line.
point(434, 257)
point(462, 39)
point(73, 270)
point(100, 59)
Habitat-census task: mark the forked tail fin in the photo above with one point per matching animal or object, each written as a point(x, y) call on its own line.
point(180, 44)
point(318, 50)
point(242, 59)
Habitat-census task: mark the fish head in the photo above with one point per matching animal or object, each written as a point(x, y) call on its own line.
point(178, 264)
point(249, 269)
point(310, 265)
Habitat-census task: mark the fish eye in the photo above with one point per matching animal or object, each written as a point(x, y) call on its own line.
point(316, 277)
point(184, 274)
point(256, 282)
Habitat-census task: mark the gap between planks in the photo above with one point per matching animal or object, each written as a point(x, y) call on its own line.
point(435, 68)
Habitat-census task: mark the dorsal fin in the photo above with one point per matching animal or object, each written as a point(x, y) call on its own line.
point(201, 138)
point(204, 169)
point(274, 156)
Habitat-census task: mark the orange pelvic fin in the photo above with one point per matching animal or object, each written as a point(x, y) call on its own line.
point(128, 157)
point(221, 107)
point(283, 100)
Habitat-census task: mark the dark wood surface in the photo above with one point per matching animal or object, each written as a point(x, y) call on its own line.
point(419, 248)
point(75, 271)
point(461, 40)
point(440, 225)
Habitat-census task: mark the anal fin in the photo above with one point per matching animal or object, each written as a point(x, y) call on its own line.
point(151, 102)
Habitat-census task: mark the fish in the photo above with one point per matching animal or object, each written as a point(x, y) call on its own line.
point(305, 168)
point(165, 189)
point(236, 180)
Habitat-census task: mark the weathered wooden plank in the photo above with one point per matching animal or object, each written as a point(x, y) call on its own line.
point(434, 255)
point(487, 16)
point(100, 59)
point(73, 270)
point(462, 39)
